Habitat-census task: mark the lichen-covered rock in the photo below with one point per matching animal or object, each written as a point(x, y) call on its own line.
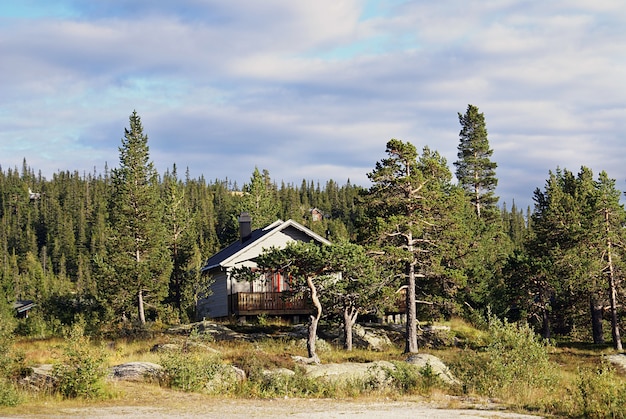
point(438, 367)
point(371, 372)
point(136, 371)
point(374, 339)
point(39, 377)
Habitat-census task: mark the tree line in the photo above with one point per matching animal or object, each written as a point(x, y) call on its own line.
point(126, 246)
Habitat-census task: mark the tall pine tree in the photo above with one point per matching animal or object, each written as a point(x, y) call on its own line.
point(475, 171)
point(137, 255)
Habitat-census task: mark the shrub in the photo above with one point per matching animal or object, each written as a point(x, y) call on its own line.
point(82, 370)
point(8, 363)
point(411, 379)
point(515, 362)
point(600, 393)
point(194, 371)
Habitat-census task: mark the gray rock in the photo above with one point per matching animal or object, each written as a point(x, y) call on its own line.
point(40, 377)
point(165, 347)
point(374, 339)
point(284, 372)
point(372, 372)
point(136, 371)
point(618, 360)
point(438, 367)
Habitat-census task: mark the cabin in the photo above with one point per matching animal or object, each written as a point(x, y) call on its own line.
point(23, 307)
point(267, 296)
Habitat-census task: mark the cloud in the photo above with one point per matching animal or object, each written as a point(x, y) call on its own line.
point(313, 90)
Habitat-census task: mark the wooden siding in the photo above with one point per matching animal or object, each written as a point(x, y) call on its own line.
point(216, 304)
point(270, 303)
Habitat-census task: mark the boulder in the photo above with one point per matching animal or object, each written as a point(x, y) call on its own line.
point(226, 377)
point(438, 367)
point(372, 372)
point(136, 371)
point(166, 347)
point(374, 339)
point(278, 372)
point(39, 377)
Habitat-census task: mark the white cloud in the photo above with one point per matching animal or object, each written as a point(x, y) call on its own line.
point(315, 89)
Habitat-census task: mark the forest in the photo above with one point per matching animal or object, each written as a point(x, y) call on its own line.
point(125, 247)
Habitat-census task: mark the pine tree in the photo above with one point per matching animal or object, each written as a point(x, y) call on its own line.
point(137, 248)
point(410, 210)
point(475, 171)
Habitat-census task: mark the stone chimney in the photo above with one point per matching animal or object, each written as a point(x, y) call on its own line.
point(245, 226)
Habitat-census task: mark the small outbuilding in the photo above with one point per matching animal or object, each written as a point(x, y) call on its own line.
point(22, 307)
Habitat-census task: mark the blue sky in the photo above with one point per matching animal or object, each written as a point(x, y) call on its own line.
point(313, 90)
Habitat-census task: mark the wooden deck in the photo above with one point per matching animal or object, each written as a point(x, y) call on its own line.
point(270, 303)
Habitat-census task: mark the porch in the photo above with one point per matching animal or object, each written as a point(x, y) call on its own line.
point(270, 303)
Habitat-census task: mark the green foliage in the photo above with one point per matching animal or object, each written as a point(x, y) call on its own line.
point(81, 372)
point(474, 170)
point(410, 379)
point(137, 252)
point(515, 360)
point(194, 371)
point(601, 393)
point(8, 363)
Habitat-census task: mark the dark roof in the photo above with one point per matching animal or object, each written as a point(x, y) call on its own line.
point(256, 235)
point(23, 305)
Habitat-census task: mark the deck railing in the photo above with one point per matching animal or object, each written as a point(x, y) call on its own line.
point(272, 303)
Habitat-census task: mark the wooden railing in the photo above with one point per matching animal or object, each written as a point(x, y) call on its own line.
point(272, 303)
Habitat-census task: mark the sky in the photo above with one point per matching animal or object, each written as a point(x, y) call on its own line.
point(313, 89)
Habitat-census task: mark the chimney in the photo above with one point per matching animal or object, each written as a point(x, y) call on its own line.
point(245, 226)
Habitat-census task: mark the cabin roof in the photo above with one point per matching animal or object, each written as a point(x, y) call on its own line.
point(256, 238)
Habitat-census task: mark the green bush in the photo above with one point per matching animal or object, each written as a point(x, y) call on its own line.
point(410, 379)
point(82, 369)
point(601, 393)
point(9, 395)
point(514, 362)
point(195, 371)
point(8, 362)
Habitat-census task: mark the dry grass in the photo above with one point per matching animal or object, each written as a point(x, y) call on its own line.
point(276, 353)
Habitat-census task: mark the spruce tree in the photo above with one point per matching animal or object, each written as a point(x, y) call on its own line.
point(260, 199)
point(137, 253)
point(475, 171)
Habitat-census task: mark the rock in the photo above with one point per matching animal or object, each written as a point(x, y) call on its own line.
point(199, 346)
point(285, 372)
point(618, 360)
point(165, 347)
point(304, 360)
point(136, 371)
point(370, 338)
point(225, 378)
point(240, 374)
point(438, 367)
point(372, 372)
point(38, 378)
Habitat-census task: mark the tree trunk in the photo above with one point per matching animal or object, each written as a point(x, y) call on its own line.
point(545, 324)
point(617, 341)
point(411, 313)
point(313, 322)
point(349, 319)
point(142, 314)
point(596, 320)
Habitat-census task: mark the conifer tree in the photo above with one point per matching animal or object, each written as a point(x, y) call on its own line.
point(475, 171)
point(260, 199)
point(137, 251)
point(410, 210)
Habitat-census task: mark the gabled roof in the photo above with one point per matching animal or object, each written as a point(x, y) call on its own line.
point(223, 257)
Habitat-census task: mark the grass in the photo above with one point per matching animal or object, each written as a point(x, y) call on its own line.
point(574, 382)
